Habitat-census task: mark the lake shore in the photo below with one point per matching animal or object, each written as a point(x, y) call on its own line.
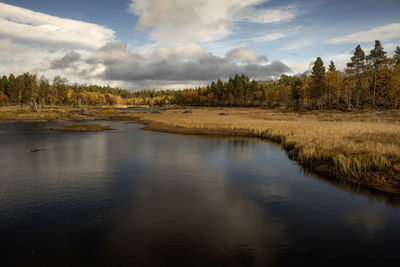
point(361, 148)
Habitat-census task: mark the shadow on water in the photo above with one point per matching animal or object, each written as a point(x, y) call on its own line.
point(389, 198)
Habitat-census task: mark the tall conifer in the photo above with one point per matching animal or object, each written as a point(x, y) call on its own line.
point(377, 58)
point(396, 56)
point(332, 66)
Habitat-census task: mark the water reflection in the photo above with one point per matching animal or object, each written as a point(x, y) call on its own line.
point(131, 197)
point(367, 221)
point(195, 219)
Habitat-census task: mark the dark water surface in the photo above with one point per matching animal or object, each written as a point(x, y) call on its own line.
point(135, 198)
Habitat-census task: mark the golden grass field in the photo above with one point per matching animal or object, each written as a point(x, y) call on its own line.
point(360, 147)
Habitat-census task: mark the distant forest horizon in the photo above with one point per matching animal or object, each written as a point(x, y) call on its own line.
point(369, 81)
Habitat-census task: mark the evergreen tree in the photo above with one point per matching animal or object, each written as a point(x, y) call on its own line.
point(377, 57)
point(12, 88)
point(317, 74)
point(396, 56)
point(357, 64)
point(3, 84)
point(332, 66)
point(318, 69)
point(358, 60)
point(219, 90)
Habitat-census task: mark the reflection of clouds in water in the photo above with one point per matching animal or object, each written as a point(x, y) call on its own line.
point(197, 217)
point(371, 221)
point(278, 190)
point(242, 150)
point(190, 206)
point(58, 172)
point(163, 199)
point(188, 150)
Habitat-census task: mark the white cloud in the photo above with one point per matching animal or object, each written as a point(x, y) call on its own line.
point(268, 37)
point(116, 64)
point(188, 51)
point(182, 21)
point(17, 59)
point(300, 67)
point(8, 47)
point(88, 53)
point(383, 33)
point(297, 44)
point(34, 27)
point(273, 15)
point(244, 54)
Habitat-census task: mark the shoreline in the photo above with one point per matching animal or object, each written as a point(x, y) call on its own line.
point(172, 121)
point(322, 169)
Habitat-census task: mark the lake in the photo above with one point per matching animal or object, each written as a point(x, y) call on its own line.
point(130, 197)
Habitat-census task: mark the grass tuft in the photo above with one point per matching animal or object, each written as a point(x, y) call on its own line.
point(80, 127)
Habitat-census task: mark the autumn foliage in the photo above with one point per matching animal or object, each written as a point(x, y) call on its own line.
point(369, 81)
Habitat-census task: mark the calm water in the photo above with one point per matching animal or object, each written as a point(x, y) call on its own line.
point(135, 198)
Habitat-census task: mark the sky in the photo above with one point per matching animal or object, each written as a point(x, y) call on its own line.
point(160, 44)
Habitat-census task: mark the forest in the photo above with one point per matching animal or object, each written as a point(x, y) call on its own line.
point(369, 81)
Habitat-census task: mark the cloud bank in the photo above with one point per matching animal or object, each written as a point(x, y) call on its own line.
point(383, 33)
point(182, 21)
point(28, 26)
point(123, 64)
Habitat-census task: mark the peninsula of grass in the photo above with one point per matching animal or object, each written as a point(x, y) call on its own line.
point(361, 148)
point(80, 127)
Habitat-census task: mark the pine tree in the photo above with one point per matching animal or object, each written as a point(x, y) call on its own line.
point(3, 84)
point(358, 60)
point(377, 57)
point(12, 89)
point(317, 74)
point(318, 69)
point(332, 66)
point(358, 65)
point(396, 56)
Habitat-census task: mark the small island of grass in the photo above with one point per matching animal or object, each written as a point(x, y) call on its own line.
point(80, 127)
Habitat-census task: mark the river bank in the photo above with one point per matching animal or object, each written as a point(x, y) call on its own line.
point(361, 148)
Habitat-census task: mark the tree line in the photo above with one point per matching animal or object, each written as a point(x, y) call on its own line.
point(369, 81)
point(28, 89)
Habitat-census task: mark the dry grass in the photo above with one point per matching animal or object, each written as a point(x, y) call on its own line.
point(360, 147)
point(80, 127)
point(24, 114)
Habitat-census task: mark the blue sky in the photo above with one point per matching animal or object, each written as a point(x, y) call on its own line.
point(182, 43)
